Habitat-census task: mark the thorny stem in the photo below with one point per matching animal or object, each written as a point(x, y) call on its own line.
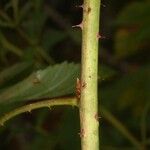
point(88, 103)
point(45, 103)
point(72, 101)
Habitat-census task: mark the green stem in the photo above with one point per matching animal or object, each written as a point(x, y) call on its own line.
point(45, 103)
point(89, 102)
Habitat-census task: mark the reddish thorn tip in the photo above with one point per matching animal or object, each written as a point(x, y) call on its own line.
point(100, 37)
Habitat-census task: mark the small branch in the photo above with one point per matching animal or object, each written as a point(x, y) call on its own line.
point(45, 103)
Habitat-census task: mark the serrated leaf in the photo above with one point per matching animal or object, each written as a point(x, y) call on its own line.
point(54, 81)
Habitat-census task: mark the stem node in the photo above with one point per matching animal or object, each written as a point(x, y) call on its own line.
point(82, 133)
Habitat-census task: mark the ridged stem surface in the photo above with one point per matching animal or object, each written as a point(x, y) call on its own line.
point(89, 103)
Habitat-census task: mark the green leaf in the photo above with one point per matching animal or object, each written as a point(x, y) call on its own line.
point(54, 81)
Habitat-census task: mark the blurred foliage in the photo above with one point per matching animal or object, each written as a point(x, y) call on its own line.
point(37, 42)
point(9, 75)
point(134, 32)
point(128, 91)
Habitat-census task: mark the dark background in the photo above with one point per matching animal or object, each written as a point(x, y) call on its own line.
point(39, 32)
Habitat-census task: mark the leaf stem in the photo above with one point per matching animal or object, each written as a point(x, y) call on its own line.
point(45, 103)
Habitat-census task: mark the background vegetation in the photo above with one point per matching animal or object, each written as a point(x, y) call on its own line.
point(36, 34)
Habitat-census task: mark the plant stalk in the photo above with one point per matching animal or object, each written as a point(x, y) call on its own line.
point(40, 104)
point(89, 69)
